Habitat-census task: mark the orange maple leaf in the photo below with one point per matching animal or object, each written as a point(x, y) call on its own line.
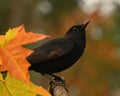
point(13, 55)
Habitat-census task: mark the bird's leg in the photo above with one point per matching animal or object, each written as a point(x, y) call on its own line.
point(57, 77)
point(49, 76)
point(53, 77)
point(58, 88)
point(57, 80)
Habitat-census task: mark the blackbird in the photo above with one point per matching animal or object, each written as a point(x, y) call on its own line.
point(60, 53)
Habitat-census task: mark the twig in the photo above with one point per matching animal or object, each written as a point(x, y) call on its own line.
point(58, 88)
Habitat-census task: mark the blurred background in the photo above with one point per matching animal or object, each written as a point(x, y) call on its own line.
point(97, 73)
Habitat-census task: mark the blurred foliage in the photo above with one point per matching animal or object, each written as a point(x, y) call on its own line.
point(60, 7)
point(97, 73)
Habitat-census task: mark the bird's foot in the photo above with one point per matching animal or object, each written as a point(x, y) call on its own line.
point(57, 85)
point(49, 77)
point(57, 80)
point(54, 78)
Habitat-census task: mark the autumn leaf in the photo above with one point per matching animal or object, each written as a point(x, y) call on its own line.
point(13, 55)
point(11, 86)
point(23, 38)
point(0, 61)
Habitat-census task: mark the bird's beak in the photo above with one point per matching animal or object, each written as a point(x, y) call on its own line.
point(86, 23)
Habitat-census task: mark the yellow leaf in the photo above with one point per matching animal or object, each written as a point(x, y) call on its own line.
point(14, 87)
point(1, 78)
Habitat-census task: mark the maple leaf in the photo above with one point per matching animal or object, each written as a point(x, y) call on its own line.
point(11, 86)
point(0, 61)
point(13, 55)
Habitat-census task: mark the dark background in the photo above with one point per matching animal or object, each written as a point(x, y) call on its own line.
point(97, 73)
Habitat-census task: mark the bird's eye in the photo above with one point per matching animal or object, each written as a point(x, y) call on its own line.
point(75, 29)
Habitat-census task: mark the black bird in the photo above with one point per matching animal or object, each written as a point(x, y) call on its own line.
point(60, 53)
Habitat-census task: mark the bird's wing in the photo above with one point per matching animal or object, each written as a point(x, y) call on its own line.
point(51, 50)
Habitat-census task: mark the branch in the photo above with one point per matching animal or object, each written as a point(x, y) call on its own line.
point(58, 87)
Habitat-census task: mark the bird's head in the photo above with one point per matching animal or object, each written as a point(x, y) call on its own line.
point(77, 30)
